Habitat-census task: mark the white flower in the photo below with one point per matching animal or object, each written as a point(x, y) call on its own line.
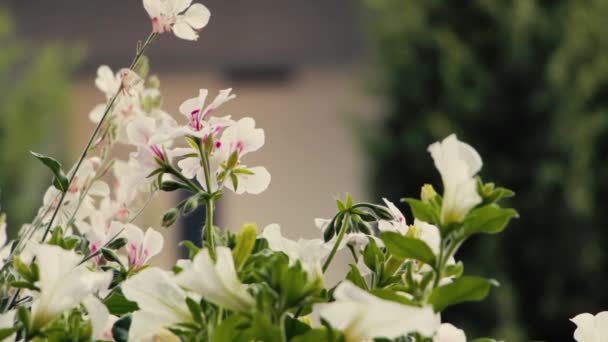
point(591, 328)
point(7, 320)
point(458, 163)
point(363, 317)
point(310, 253)
point(243, 137)
point(141, 247)
point(141, 132)
point(165, 17)
point(100, 317)
point(160, 300)
point(63, 283)
point(107, 81)
point(216, 282)
point(398, 224)
point(449, 333)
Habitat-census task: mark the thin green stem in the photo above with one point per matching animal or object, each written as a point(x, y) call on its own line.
point(210, 234)
point(337, 244)
point(85, 151)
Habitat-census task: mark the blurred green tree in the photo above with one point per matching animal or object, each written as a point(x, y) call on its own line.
point(526, 83)
point(34, 93)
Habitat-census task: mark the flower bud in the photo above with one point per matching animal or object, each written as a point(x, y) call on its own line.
point(245, 241)
point(413, 232)
point(191, 204)
point(170, 217)
point(427, 193)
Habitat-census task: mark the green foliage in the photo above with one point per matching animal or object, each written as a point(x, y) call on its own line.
point(34, 92)
point(525, 81)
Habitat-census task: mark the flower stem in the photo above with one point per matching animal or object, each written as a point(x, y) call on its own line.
point(209, 227)
point(337, 244)
point(94, 135)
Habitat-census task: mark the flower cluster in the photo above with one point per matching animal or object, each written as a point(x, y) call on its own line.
point(81, 269)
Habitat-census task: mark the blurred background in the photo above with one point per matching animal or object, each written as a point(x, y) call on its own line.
point(350, 94)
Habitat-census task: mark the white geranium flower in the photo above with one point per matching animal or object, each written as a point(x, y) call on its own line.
point(591, 328)
point(458, 163)
point(449, 333)
point(397, 224)
point(100, 317)
point(310, 253)
point(165, 15)
point(107, 81)
point(63, 283)
point(363, 317)
point(140, 247)
point(216, 281)
point(7, 320)
point(160, 300)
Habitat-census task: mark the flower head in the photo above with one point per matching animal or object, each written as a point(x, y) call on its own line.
point(64, 283)
point(362, 316)
point(458, 163)
point(216, 281)
point(166, 16)
point(591, 328)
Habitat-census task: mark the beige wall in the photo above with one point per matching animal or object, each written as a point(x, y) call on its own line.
point(311, 150)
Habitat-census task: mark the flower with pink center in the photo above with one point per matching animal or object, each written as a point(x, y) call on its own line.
point(243, 137)
point(166, 17)
point(141, 247)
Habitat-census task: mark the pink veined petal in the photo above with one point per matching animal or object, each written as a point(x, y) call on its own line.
point(197, 16)
point(183, 30)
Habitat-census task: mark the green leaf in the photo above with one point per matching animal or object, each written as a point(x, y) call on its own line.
point(24, 285)
point(454, 270)
point(263, 330)
point(490, 219)
point(463, 289)
point(423, 211)
point(235, 181)
point(195, 310)
point(392, 296)
point(120, 329)
point(6, 332)
point(295, 327)
point(356, 278)
point(118, 304)
point(407, 247)
point(484, 339)
point(60, 181)
point(234, 328)
point(23, 270)
point(24, 316)
point(373, 257)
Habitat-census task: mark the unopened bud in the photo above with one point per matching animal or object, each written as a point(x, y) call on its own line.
point(413, 232)
point(427, 193)
point(170, 217)
point(191, 204)
point(245, 241)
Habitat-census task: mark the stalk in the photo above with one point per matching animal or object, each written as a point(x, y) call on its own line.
point(85, 151)
point(337, 244)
